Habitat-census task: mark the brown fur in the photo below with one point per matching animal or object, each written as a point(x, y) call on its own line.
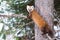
point(41, 23)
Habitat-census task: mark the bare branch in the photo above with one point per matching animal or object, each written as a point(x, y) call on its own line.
point(13, 15)
point(26, 24)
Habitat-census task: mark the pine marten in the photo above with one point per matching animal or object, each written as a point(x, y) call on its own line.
point(38, 19)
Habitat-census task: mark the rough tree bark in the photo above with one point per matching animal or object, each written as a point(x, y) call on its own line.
point(45, 8)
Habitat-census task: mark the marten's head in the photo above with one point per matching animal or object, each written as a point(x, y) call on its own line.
point(30, 8)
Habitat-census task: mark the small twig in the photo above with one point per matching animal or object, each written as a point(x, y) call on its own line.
point(49, 37)
point(29, 23)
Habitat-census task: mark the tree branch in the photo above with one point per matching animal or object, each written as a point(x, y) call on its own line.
point(13, 15)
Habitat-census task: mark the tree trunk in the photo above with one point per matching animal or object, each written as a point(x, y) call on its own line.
point(45, 8)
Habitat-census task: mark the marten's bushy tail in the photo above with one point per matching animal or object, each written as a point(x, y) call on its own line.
point(48, 30)
point(50, 33)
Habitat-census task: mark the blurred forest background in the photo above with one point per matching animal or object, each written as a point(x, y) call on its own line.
point(13, 22)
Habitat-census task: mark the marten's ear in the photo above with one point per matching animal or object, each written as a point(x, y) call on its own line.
point(30, 8)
